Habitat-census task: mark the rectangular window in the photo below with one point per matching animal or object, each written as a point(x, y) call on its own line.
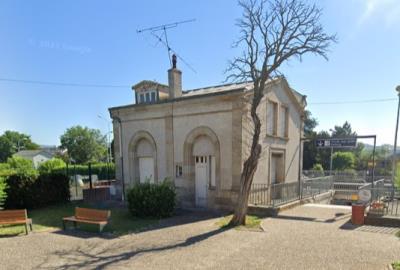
point(148, 97)
point(283, 122)
point(178, 170)
point(141, 98)
point(153, 97)
point(272, 118)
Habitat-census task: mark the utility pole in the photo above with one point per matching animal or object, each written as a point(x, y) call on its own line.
point(395, 139)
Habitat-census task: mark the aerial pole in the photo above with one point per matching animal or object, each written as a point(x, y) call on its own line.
point(163, 38)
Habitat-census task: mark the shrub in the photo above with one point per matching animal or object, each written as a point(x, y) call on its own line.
point(3, 195)
point(34, 192)
point(343, 160)
point(152, 200)
point(318, 167)
point(104, 171)
point(51, 165)
point(22, 167)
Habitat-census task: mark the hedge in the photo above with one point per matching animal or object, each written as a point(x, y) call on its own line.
point(34, 192)
point(103, 171)
point(152, 200)
point(3, 194)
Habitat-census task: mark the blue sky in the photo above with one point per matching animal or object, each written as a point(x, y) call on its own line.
point(95, 42)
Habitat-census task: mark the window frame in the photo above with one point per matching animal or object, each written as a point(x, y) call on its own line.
point(274, 122)
point(285, 129)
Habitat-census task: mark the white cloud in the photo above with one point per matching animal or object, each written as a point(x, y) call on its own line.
point(387, 11)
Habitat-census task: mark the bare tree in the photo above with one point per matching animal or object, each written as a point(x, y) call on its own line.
point(272, 32)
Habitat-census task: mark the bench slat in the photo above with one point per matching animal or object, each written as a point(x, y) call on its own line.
point(91, 214)
point(13, 214)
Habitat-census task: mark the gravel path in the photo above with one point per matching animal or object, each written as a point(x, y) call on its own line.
point(307, 237)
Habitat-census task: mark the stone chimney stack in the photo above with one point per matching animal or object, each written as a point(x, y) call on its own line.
point(174, 80)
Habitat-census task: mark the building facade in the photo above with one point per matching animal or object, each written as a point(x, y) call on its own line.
point(199, 139)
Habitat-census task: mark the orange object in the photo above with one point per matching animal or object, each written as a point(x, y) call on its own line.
point(357, 214)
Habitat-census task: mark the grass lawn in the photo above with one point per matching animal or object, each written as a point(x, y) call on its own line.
point(398, 234)
point(396, 265)
point(50, 218)
point(252, 223)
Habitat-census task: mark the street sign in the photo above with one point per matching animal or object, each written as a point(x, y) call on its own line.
point(336, 143)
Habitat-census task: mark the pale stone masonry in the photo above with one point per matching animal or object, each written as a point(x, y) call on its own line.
point(200, 138)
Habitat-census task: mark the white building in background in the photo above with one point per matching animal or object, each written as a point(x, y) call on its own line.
point(200, 138)
point(36, 156)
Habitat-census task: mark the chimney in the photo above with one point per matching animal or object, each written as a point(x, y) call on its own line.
point(174, 80)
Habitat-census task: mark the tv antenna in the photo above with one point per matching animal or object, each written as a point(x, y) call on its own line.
point(163, 38)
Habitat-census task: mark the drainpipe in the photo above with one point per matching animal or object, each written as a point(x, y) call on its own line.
point(121, 155)
point(300, 155)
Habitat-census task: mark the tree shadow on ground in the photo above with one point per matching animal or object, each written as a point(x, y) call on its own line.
point(181, 217)
point(89, 257)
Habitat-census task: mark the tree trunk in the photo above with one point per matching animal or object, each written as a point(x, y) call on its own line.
point(249, 168)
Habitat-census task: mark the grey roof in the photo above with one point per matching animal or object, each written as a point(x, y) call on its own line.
point(29, 154)
point(217, 89)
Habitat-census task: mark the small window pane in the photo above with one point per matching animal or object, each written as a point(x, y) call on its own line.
point(147, 97)
point(141, 98)
point(153, 96)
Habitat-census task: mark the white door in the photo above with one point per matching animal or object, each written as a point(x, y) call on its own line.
point(201, 180)
point(146, 169)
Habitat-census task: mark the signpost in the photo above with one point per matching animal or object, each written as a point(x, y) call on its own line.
point(350, 142)
point(336, 143)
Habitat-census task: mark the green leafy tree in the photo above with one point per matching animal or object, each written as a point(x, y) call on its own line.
point(84, 145)
point(12, 141)
point(51, 165)
point(22, 167)
point(343, 131)
point(310, 150)
point(324, 154)
point(343, 161)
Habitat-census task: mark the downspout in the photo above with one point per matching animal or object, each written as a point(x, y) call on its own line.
point(121, 156)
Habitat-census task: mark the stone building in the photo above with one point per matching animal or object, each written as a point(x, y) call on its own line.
point(200, 138)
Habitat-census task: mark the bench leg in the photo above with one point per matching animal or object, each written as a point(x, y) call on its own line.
point(31, 226)
point(101, 227)
point(64, 225)
point(26, 229)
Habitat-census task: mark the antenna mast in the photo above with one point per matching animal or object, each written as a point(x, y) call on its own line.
point(164, 40)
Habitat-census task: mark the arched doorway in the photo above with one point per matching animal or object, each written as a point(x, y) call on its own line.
point(201, 160)
point(143, 158)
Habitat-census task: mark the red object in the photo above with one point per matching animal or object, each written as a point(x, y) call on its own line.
point(357, 214)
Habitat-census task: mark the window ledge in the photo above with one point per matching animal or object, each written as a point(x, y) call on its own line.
point(277, 137)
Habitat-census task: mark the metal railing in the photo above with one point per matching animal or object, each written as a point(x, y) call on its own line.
point(385, 201)
point(344, 190)
point(282, 193)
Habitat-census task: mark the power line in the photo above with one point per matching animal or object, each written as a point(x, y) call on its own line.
point(64, 84)
point(72, 84)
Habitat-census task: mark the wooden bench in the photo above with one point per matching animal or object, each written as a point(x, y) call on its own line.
point(15, 217)
point(89, 216)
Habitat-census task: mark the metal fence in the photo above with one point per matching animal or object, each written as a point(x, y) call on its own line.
point(344, 191)
point(278, 194)
point(282, 193)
